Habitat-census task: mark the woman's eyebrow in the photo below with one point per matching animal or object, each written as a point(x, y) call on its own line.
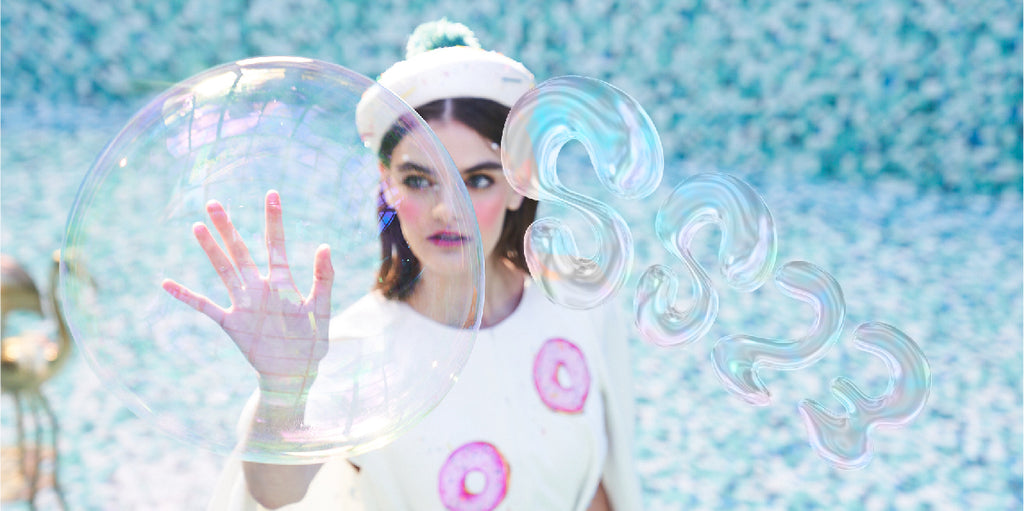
point(487, 165)
point(409, 166)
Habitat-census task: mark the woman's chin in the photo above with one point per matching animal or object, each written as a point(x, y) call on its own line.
point(453, 267)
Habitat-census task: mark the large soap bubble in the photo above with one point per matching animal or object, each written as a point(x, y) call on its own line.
point(230, 135)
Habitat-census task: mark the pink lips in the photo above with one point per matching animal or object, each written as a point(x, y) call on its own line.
point(447, 239)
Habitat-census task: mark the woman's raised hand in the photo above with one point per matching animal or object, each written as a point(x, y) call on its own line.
point(282, 334)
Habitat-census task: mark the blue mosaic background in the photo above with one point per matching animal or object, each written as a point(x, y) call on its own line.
point(885, 136)
point(924, 90)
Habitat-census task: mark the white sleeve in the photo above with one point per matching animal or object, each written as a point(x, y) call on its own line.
point(335, 485)
point(619, 476)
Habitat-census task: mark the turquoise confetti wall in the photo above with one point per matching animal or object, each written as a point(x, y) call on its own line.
point(885, 136)
point(928, 90)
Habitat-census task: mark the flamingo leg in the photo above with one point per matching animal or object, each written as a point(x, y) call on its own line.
point(54, 431)
point(33, 488)
point(19, 416)
point(27, 470)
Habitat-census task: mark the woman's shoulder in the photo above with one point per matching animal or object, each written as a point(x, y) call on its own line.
point(366, 317)
point(373, 315)
point(538, 315)
point(536, 303)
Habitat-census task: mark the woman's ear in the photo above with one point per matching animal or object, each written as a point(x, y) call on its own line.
point(514, 201)
point(386, 189)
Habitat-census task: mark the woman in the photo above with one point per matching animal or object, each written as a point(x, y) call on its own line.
point(541, 416)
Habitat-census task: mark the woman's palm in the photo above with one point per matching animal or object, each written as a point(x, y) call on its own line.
point(282, 334)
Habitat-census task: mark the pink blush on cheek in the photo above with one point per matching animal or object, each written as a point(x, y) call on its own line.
point(490, 211)
point(409, 209)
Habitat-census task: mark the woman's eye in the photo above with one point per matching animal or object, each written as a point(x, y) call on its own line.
point(416, 182)
point(479, 181)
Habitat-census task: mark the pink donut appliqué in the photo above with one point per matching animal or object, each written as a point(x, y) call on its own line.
point(558, 354)
point(479, 457)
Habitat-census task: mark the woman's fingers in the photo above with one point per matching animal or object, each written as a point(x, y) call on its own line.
point(280, 274)
point(218, 258)
point(323, 279)
point(233, 242)
point(196, 301)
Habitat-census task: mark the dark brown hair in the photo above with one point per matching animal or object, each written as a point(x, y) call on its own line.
point(399, 268)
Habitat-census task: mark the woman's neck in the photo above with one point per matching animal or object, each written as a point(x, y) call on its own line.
point(503, 289)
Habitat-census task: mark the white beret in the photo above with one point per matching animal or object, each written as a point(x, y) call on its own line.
point(450, 72)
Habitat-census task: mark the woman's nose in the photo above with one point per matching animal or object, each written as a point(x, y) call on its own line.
point(442, 211)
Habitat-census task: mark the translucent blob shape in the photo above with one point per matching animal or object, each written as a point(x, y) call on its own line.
point(197, 163)
point(626, 154)
point(737, 358)
point(746, 255)
point(842, 439)
point(658, 318)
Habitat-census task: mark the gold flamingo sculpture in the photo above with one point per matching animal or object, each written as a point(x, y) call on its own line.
point(28, 360)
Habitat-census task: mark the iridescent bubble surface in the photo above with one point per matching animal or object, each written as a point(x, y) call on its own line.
point(627, 157)
point(746, 255)
point(842, 439)
point(229, 135)
point(737, 358)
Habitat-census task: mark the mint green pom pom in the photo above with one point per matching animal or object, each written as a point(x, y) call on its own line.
point(439, 34)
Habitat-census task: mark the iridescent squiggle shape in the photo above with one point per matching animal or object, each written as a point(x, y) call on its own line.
point(842, 439)
point(746, 254)
point(737, 358)
point(627, 156)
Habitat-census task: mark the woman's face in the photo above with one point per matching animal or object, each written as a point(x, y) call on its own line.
point(411, 188)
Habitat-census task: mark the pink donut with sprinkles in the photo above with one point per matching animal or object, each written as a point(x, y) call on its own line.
point(485, 462)
point(561, 376)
